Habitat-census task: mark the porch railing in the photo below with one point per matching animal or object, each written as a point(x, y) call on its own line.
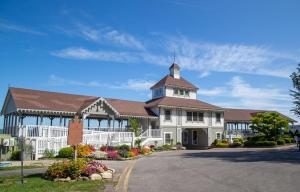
point(153, 133)
point(54, 138)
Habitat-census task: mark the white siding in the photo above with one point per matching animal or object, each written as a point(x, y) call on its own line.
point(169, 92)
point(181, 121)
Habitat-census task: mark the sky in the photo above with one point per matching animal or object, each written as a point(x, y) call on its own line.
point(239, 53)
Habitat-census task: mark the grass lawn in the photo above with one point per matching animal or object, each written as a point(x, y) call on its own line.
point(19, 167)
point(36, 183)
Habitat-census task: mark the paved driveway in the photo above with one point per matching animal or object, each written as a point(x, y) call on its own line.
point(218, 170)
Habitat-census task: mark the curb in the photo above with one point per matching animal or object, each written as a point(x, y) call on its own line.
point(122, 185)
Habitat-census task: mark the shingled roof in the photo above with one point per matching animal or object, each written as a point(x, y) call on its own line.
point(168, 80)
point(181, 102)
point(245, 115)
point(53, 101)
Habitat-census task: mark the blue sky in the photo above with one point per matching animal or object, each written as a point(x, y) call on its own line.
point(239, 53)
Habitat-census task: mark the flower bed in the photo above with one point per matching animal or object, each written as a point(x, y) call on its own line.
point(80, 169)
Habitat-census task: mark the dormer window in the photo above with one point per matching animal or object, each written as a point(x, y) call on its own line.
point(181, 92)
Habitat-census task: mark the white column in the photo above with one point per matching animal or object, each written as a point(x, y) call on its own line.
point(149, 129)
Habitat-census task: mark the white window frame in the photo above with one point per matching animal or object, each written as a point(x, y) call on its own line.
point(166, 116)
point(171, 137)
point(193, 137)
point(217, 135)
point(220, 118)
point(185, 142)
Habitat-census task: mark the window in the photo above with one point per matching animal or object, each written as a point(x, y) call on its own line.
point(189, 116)
point(176, 91)
point(167, 115)
point(168, 138)
point(218, 117)
point(181, 92)
point(187, 93)
point(195, 116)
point(218, 136)
point(200, 116)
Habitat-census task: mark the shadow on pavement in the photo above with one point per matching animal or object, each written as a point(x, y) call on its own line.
point(276, 156)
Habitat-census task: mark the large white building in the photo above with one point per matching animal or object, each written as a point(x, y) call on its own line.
point(174, 114)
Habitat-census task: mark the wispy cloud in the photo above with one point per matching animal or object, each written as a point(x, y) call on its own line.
point(103, 35)
point(251, 59)
point(135, 84)
point(100, 55)
point(130, 84)
point(203, 57)
point(211, 92)
point(16, 28)
point(238, 93)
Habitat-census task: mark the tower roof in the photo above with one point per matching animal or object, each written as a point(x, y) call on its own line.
point(168, 80)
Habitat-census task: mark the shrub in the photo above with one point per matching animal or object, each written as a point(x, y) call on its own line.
point(222, 145)
point(15, 156)
point(138, 142)
point(136, 151)
point(123, 153)
point(257, 138)
point(235, 144)
point(238, 140)
point(66, 152)
point(260, 143)
point(131, 154)
point(107, 148)
point(280, 142)
point(93, 167)
point(85, 150)
point(124, 147)
point(225, 141)
point(49, 153)
point(266, 143)
point(288, 140)
point(215, 142)
point(167, 147)
point(112, 154)
point(69, 168)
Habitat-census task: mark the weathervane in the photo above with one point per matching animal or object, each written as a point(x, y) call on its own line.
point(174, 56)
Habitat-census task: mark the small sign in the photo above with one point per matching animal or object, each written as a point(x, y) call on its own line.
point(75, 132)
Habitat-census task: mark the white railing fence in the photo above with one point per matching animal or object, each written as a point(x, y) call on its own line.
point(152, 133)
point(54, 138)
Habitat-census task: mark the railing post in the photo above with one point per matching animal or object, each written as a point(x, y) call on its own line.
point(36, 149)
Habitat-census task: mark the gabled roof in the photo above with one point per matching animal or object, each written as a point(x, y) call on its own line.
point(183, 103)
point(45, 100)
point(130, 108)
point(245, 115)
point(168, 80)
point(29, 99)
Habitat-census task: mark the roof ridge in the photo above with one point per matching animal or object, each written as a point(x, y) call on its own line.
point(55, 92)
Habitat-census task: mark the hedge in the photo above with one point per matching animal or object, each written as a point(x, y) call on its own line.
point(280, 142)
point(66, 152)
point(260, 143)
point(222, 145)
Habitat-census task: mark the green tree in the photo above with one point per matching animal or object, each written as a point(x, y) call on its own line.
point(135, 127)
point(269, 123)
point(296, 92)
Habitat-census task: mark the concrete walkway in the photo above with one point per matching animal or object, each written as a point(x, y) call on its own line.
point(222, 170)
